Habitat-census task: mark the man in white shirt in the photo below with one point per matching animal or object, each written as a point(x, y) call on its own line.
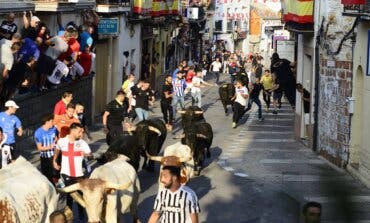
point(196, 93)
point(216, 68)
point(241, 100)
point(73, 149)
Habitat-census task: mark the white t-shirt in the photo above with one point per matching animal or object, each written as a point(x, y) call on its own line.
point(196, 81)
point(6, 54)
point(59, 71)
point(239, 97)
point(72, 156)
point(216, 66)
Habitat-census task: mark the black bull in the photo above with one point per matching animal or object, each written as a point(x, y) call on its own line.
point(198, 137)
point(147, 136)
point(226, 92)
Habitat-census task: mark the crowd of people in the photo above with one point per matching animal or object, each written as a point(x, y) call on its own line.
point(33, 59)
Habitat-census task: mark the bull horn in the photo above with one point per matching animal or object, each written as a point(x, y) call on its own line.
point(198, 112)
point(184, 159)
point(71, 188)
point(153, 129)
point(181, 111)
point(77, 197)
point(201, 136)
point(154, 158)
point(110, 185)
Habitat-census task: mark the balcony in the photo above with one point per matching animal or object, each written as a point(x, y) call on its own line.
point(112, 6)
point(357, 10)
point(7, 6)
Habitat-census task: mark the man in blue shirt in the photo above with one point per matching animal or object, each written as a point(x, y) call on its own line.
point(45, 138)
point(86, 39)
point(9, 122)
point(29, 48)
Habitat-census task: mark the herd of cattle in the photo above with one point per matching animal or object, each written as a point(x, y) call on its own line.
point(114, 184)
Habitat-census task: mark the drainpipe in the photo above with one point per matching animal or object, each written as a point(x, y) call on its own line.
point(317, 95)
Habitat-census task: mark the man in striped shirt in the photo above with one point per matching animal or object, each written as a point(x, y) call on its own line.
point(176, 203)
point(45, 138)
point(179, 86)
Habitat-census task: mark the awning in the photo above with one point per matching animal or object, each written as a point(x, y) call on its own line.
point(298, 11)
point(353, 2)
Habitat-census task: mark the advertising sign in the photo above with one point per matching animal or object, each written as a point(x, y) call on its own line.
point(108, 26)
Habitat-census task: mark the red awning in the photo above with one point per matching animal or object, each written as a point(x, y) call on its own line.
point(353, 2)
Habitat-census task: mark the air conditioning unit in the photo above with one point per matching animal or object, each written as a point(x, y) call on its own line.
point(193, 13)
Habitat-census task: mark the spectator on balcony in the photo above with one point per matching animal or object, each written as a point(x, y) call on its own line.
point(44, 34)
point(61, 106)
point(61, 28)
point(8, 49)
point(86, 39)
point(8, 27)
point(30, 48)
point(85, 60)
point(30, 27)
point(19, 78)
point(61, 70)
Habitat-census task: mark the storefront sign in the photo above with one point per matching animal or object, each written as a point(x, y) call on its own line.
point(108, 26)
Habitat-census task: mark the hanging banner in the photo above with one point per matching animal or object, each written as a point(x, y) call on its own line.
point(298, 11)
point(353, 2)
point(255, 23)
point(165, 7)
point(142, 7)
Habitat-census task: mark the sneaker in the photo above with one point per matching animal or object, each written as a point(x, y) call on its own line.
point(279, 105)
point(274, 112)
point(261, 119)
point(233, 125)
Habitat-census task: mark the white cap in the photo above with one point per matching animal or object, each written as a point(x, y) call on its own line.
point(11, 103)
point(35, 18)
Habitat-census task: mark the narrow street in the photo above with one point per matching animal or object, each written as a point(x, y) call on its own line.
point(259, 173)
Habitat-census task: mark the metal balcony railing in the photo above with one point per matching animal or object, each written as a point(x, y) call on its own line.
point(113, 2)
point(63, 1)
point(355, 10)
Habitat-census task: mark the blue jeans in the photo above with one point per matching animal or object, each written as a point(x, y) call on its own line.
point(258, 103)
point(142, 114)
point(196, 98)
point(175, 101)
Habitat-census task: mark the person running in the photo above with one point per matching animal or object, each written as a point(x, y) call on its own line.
point(240, 101)
point(254, 94)
point(61, 106)
point(45, 138)
point(175, 203)
point(216, 68)
point(277, 94)
point(196, 93)
point(144, 97)
point(166, 100)
point(179, 87)
point(9, 122)
point(267, 83)
point(72, 149)
point(114, 116)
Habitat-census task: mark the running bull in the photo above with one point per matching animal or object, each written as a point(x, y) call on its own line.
point(191, 115)
point(115, 182)
point(24, 200)
point(226, 92)
point(198, 137)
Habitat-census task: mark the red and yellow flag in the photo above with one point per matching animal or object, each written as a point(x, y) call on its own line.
point(165, 7)
point(298, 11)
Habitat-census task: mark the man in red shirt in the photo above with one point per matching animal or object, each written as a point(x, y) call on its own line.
point(63, 122)
point(60, 106)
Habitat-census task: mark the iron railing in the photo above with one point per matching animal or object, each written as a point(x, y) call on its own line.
point(355, 10)
point(113, 2)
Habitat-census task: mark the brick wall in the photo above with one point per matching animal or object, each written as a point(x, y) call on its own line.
point(334, 119)
point(33, 107)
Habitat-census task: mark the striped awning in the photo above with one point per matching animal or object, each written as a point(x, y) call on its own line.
point(298, 11)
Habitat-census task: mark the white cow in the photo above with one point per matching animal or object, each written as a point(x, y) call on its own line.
point(180, 155)
point(26, 196)
point(115, 178)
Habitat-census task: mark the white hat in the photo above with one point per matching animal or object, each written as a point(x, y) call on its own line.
point(11, 103)
point(35, 18)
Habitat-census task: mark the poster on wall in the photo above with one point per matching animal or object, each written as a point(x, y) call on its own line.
point(285, 49)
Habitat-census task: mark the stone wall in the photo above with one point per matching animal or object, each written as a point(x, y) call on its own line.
point(34, 106)
point(334, 119)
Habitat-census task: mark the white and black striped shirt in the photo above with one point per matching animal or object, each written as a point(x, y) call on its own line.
point(176, 207)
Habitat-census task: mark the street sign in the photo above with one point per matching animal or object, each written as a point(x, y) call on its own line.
point(108, 26)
